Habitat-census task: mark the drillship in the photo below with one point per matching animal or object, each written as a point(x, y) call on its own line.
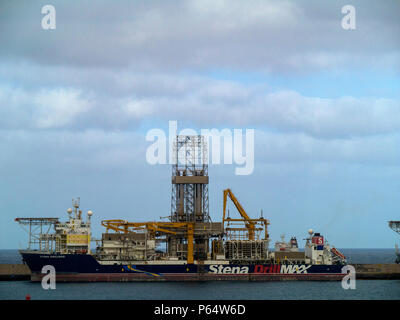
point(187, 247)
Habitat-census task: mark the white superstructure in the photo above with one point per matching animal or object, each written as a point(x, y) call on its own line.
point(290, 246)
point(74, 235)
point(317, 250)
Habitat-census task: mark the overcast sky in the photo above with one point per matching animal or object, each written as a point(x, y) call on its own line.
point(76, 104)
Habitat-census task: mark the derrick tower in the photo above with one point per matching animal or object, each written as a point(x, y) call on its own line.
point(189, 199)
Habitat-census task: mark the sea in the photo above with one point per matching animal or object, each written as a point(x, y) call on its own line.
point(212, 290)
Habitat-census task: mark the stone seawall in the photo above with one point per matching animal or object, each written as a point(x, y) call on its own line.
point(377, 271)
point(14, 272)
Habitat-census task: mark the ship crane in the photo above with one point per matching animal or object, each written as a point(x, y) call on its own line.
point(250, 224)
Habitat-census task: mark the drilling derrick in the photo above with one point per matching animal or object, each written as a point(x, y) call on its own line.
point(189, 201)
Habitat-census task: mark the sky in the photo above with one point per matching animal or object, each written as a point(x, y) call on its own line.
point(76, 103)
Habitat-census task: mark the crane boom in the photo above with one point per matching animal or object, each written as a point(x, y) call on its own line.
point(250, 225)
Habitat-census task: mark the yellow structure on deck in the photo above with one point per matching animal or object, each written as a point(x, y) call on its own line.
point(154, 228)
point(250, 224)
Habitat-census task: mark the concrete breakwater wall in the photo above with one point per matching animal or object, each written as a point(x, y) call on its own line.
point(387, 271)
point(377, 271)
point(14, 272)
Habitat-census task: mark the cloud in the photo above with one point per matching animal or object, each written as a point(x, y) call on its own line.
point(138, 109)
point(274, 36)
point(57, 108)
point(118, 101)
point(295, 148)
point(52, 108)
point(69, 152)
point(281, 110)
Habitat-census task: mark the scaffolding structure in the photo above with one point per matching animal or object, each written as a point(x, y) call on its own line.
point(38, 230)
point(189, 199)
point(246, 250)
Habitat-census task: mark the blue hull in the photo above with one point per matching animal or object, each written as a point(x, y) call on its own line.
point(85, 267)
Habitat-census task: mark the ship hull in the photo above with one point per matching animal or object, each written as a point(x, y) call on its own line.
point(85, 268)
point(118, 277)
